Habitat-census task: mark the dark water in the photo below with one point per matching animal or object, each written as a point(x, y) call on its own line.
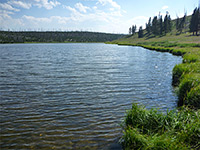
point(74, 96)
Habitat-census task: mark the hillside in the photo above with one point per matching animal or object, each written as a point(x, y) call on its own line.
point(169, 38)
point(50, 36)
point(174, 36)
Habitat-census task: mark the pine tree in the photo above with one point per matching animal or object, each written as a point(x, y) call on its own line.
point(169, 21)
point(133, 29)
point(130, 30)
point(180, 23)
point(177, 23)
point(160, 25)
point(165, 24)
point(140, 32)
point(148, 26)
point(195, 23)
point(199, 19)
point(155, 27)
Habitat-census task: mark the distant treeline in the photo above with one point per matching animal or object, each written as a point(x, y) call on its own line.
point(160, 27)
point(53, 36)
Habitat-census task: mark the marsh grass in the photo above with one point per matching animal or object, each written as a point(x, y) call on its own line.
point(151, 129)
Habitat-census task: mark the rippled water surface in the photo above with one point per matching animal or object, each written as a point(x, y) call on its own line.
point(74, 96)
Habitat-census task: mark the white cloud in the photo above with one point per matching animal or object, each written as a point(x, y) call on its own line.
point(105, 21)
point(46, 4)
point(8, 7)
point(7, 22)
point(45, 23)
point(60, 20)
point(94, 15)
point(111, 2)
point(95, 7)
point(36, 20)
point(165, 7)
point(81, 8)
point(70, 8)
point(4, 14)
point(97, 19)
point(81, 17)
point(28, 4)
point(20, 4)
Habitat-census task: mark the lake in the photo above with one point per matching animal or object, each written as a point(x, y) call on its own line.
point(75, 96)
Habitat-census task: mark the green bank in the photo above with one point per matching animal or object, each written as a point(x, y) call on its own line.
point(153, 130)
point(177, 129)
point(186, 76)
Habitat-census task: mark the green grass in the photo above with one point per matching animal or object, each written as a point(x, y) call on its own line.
point(189, 91)
point(181, 70)
point(181, 40)
point(151, 129)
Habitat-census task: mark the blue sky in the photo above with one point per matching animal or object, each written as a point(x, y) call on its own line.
point(112, 16)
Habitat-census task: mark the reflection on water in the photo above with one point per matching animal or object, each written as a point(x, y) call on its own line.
point(72, 96)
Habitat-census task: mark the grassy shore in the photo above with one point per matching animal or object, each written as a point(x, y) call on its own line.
point(152, 130)
point(177, 129)
point(186, 75)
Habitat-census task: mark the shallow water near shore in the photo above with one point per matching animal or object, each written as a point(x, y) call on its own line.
point(72, 96)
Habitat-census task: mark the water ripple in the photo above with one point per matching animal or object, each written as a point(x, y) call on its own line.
point(72, 96)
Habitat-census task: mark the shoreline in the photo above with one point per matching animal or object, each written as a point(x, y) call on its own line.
point(151, 129)
point(50, 42)
point(188, 72)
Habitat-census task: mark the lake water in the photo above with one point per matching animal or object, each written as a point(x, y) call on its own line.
point(74, 96)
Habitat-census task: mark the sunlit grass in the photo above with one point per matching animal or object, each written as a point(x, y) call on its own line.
point(189, 91)
point(151, 129)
